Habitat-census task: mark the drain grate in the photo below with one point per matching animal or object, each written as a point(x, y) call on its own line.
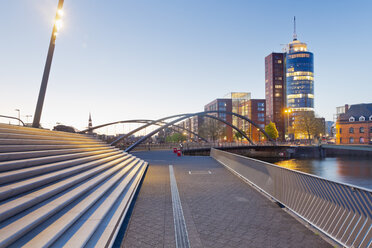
point(180, 229)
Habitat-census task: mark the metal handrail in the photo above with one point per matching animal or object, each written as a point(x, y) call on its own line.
point(341, 211)
point(15, 118)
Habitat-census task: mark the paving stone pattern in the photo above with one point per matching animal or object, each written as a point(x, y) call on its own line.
point(220, 210)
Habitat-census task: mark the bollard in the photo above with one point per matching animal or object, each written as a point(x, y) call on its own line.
point(179, 153)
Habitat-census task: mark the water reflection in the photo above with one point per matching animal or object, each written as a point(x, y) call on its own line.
point(354, 171)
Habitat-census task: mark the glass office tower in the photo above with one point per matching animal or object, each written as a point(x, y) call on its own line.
point(299, 77)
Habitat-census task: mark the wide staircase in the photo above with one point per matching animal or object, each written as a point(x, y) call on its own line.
point(63, 189)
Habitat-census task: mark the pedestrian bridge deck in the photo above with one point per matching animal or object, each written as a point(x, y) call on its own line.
point(219, 209)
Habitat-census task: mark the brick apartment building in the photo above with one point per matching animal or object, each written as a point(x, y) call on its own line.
point(222, 104)
point(355, 125)
point(255, 110)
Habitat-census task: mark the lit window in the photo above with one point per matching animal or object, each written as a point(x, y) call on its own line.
point(279, 61)
point(278, 86)
point(300, 55)
point(361, 140)
point(351, 119)
point(351, 140)
point(362, 118)
point(277, 94)
point(351, 130)
point(300, 73)
point(303, 78)
point(361, 130)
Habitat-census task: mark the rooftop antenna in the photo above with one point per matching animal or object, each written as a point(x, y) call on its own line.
point(294, 28)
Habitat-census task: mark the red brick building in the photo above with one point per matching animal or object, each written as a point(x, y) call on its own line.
point(275, 91)
point(255, 110)
point(222, 104)
point(355, 125)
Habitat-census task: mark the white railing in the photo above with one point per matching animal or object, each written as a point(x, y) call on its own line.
point(341, 211)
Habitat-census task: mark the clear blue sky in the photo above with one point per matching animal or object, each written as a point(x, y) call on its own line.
point(146, 59)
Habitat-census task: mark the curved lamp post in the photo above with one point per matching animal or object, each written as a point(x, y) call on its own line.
point(44, 82)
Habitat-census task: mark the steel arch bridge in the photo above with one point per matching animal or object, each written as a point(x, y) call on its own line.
point(174, 127)
point(180, 117)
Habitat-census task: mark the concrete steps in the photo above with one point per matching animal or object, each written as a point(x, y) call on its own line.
point(23, 148)
point(62, 189)
point(38, 154)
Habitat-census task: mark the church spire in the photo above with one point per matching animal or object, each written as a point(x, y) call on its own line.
point(90, 124)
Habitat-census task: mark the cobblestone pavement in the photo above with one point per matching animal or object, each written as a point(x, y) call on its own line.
point(220, 210)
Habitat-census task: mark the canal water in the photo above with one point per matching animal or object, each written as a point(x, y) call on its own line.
point(351, 170)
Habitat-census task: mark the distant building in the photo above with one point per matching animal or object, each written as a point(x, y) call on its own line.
point(196, 122)
point(275, 91)
point(187, 125)
point(64, 128)
point(329, 128)
point(355, 125)
point(222, 104)
point(340, 110)
point(255, 110)
point(236, 99)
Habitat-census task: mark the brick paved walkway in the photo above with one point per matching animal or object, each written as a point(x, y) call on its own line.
point(220, 210)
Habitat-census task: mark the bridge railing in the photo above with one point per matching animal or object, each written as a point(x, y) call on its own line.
point(187, 145)
point(341, 211)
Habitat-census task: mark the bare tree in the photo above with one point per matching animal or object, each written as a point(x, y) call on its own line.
point(308, 124)
point(212, 129)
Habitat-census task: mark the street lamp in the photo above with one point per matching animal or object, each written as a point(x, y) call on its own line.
point(288, 111)
point(27, 117)
point(19, 116)
point(44, 82)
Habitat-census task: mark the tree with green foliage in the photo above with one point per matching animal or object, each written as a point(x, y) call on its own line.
point(238, 136)
point(271, 130)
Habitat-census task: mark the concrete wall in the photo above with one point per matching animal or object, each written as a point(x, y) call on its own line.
point(347, 150)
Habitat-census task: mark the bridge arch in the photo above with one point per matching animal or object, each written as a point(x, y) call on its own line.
point(11, 117)
point(188, 116)
point(185, 116)
point(231, 125)
point(142, 121)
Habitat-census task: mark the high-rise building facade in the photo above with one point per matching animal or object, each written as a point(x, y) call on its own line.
point(299, 77)
point(275, 91)
point(299, 82)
